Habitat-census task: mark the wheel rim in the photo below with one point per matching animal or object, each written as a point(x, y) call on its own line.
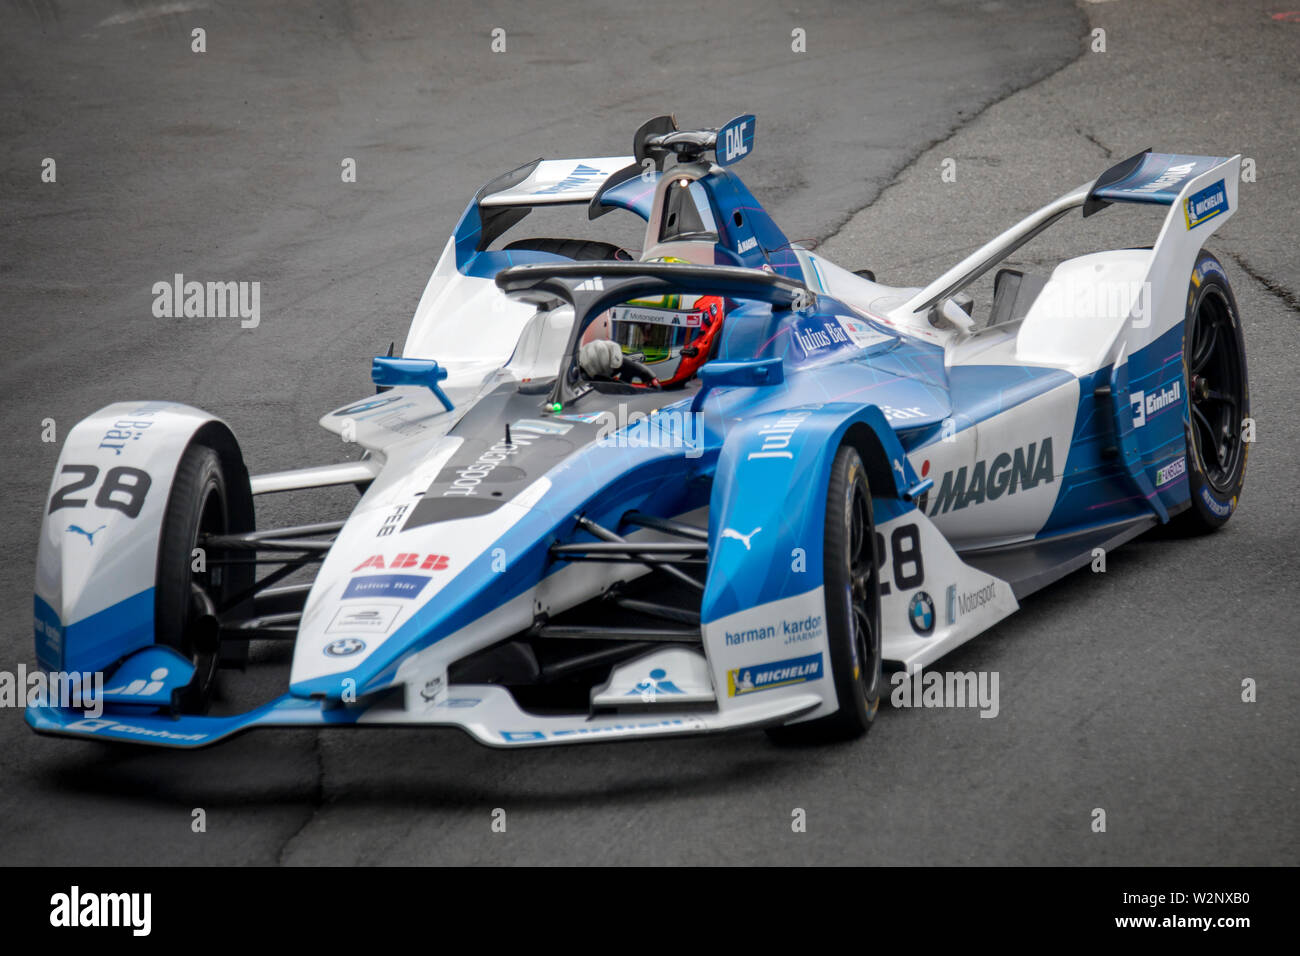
point(862, 591)
point(1215, 391)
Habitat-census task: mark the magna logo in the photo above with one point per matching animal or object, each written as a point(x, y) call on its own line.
point(403, 562)
point(1006, 474)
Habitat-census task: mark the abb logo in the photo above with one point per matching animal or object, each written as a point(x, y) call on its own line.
point(425, 562)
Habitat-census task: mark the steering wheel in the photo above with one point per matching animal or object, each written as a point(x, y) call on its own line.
point(632, 369)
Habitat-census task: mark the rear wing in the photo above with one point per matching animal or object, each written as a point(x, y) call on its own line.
point(1149, 178)
point(504, 201)
point(548, 181)
point(1200, 189)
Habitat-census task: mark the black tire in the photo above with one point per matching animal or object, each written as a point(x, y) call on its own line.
point(1218, 400)
point(577, 249)
point(852, 608)
point(200, 503)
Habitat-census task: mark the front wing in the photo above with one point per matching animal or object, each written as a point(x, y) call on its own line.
point(484, 711)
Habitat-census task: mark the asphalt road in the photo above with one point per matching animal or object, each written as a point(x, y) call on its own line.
point(1119, 691)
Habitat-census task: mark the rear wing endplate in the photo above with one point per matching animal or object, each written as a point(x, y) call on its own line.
point(1204, 187)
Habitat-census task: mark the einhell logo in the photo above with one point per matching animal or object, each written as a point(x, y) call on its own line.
point(1006, 474)
point(424, 562)
point(1145, 405)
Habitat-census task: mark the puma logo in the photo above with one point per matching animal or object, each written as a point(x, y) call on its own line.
point(90, 535)
point(742, 538)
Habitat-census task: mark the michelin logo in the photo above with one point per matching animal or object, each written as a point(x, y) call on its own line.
point(1205, 205)
point(796, 670)
point(1218, 508)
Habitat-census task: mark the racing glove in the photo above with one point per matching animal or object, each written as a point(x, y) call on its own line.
point(600, 359)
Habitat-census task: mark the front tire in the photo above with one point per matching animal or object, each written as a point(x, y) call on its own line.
point(201, 502)
point(1218, 400)
point(852, 591)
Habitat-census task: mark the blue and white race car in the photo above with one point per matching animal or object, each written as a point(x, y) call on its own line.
point(718, 483)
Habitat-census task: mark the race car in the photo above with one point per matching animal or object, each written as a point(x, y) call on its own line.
point(713, 484)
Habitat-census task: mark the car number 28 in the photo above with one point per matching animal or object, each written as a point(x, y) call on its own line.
point(904, 557)
point(122, 489)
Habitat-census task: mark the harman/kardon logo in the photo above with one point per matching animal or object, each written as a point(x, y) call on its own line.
point(76, 909)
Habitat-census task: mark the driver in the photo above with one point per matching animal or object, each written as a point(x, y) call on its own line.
point(666, 338)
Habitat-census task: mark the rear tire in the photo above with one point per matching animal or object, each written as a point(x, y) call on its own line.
point(200, 503)
point(1218, 400)
point(852, 593)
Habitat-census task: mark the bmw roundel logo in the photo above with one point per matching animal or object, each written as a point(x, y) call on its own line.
point(920, 612)
point(345, 646)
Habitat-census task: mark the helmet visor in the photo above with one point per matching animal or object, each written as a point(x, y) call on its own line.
point(658, 334)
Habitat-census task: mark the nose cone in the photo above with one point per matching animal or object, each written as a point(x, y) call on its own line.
point(381, 597)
